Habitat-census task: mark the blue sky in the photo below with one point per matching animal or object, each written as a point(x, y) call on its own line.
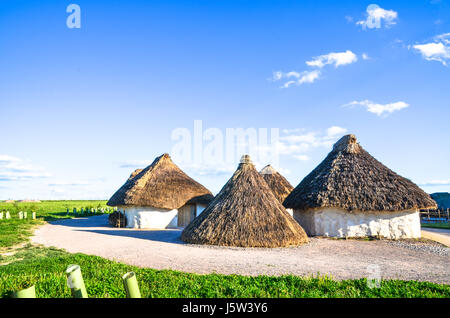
point(81, 108)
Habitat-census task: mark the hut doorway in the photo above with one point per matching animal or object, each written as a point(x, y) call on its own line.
point(186, 214)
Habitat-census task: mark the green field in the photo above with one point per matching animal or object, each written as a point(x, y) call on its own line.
point(15, 231)
point(44, 267)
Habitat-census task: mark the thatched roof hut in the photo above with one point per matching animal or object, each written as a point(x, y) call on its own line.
point(352, 194)
point(160, 196)
point(350, 178)
point(245, 213)
point(280, 187)
point(161, 185)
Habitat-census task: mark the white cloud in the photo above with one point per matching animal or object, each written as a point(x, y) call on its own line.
point(335, 58)
point(377, 17)
point(439, 50)
point(287, 84)
point(294, 130)
point(282, 170)
point(8, 159)
point(308, 138)
point(336, 130)
point(365, 56)
point(300, 78)
point(302, 157)
point(435, 183)
point(379, 109)
point(16, 169)
point(276, 76)
point(296, 145)
point(443, 37)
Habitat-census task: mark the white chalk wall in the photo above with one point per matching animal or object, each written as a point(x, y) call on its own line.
point(150, 218)
point(153, 218)
point(336, 222)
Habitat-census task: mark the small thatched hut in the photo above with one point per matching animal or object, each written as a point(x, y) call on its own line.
point(245, 213)
point(160, 196)
point(351, 194)
point(280, 187)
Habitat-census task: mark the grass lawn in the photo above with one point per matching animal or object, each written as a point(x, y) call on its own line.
point(15, 231)
point(45, 267)
point(444, 225)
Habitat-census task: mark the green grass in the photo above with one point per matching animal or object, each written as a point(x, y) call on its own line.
point(444, 225)
point(45, 267)
point(15, 231)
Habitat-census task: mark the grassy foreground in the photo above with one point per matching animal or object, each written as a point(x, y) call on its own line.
point(45, 267)
point(15, 231)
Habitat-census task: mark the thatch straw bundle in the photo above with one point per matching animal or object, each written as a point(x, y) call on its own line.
point(245, 213)
point(351, 179)
point(161, 185)
point(280, 187)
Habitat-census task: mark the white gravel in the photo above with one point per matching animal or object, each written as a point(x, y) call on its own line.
point(162, 249)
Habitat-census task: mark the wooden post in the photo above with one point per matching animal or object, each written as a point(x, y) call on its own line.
point(33, 215)
point(25, 215)
point(7, 216)
point(1, 215)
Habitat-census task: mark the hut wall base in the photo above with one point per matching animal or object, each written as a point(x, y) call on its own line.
point(335, 222)
point(150, 218)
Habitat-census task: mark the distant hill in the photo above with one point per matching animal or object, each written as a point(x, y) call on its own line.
point(442, 199)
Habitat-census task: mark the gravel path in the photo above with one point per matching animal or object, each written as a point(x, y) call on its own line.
point(162, 249)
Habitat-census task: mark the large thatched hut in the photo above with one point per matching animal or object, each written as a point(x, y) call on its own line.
point(160, 196)
point(280, 187)
point(351, 194)
point(245, 213)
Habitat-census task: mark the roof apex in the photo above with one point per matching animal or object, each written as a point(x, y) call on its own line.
point(347, 143)
point(246, 159)
point(268, 170)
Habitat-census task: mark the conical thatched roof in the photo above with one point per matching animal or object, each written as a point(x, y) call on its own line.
point(350, 178)
point(134, 174)
point(245, 213)
point(160, 185)
point(281, 188)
